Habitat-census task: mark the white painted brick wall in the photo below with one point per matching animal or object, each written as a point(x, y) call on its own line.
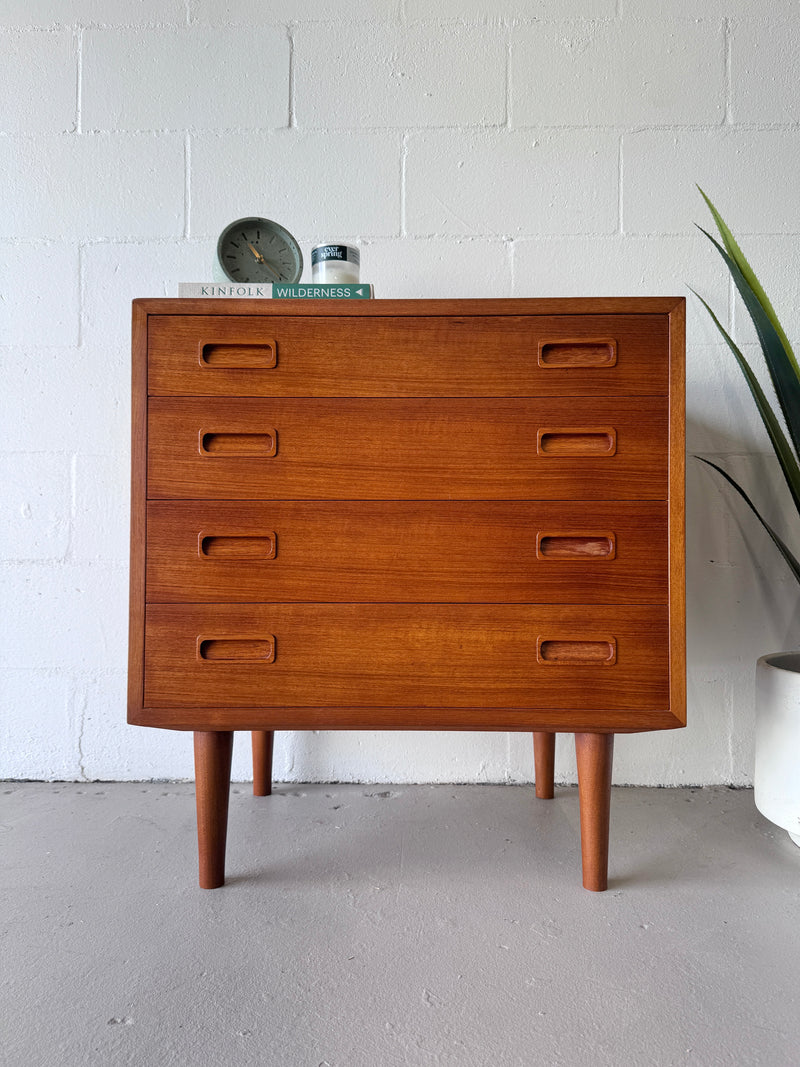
point(56, 13)
point(758, 48)
point(92, 186)
point(512, 9)
point(31, 60)
point(38, 529)
point(511, 183)
point(421, 74)
point(41, 313)
point(519, 147)
point(618, 72)
point(312, 181)
point(750, 166)
point(419, 267)
point(221, 77)
point(256, 12)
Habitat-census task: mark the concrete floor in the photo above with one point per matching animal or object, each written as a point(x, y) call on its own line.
point(413, 925)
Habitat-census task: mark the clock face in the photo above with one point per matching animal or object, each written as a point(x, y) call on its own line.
point(258, 250)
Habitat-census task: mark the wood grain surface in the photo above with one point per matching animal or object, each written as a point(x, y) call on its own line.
point(408, 515)
point(407, 449)
point(478, 655)
point(515, 551)
point(427, 355)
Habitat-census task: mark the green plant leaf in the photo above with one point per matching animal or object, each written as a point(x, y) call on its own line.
point(736, 254)
point(783, 450)
point(780, 544)
point(781, 370)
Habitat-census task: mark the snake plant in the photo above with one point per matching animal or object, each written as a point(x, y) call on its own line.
point(783, 371)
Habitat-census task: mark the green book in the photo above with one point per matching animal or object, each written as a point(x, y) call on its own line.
point(322, 290)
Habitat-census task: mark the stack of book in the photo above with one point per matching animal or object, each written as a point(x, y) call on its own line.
point(278, 290)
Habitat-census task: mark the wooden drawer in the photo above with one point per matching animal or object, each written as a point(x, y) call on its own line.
point(427, 355)
point(516, 551)
point(408, 449)
point(357, 655)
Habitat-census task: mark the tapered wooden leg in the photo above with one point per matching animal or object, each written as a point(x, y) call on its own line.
point(212, 769)
point(262, 762)
point(544, 761)
point(595, 754)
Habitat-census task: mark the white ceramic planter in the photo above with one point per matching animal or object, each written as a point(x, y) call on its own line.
point(777, 770)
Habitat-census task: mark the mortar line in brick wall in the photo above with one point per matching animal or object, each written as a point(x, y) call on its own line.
point(187, 195)
point(620, 172)
point(732, 306)
point(68, 557)
point(81, 286)
point(403, 157)
point(292, 116)
point(729, 700)
point(79, 80)
point(218, 131)
point(728, 79)
point(789, 126)
point(480, 236)
point(501, 127)
point(81, 724)
point(509, 35)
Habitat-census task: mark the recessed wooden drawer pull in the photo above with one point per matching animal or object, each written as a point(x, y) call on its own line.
point(264, 443)
point(577, 353)
point(239, 357)
point(576, 442)
point(575, 546)
point(589, 651)
point(232, 547)
point(236, 649)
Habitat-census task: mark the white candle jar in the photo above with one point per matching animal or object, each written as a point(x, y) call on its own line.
point(335, 263)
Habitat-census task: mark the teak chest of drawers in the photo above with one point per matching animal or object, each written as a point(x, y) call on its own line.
point(430, 514)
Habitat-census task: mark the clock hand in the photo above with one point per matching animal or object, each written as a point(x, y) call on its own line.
point(263, 262)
